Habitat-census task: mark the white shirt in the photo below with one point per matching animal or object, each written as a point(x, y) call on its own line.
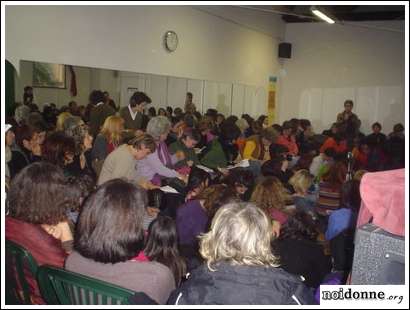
point(99, 103)
point(133, 114)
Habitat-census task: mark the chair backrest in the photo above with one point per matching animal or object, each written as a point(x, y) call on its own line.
point(19, 261)
point(62, 287)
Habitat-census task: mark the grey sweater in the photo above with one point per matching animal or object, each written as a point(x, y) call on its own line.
point(152, 278)
point(119, 164)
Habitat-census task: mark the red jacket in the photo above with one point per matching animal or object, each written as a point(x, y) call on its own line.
point(45, 249)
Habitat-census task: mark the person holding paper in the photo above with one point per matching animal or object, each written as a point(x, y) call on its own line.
point(186, 145)
point(257, 146)
point(122, 161)
point(221, 151)
point(159, 164)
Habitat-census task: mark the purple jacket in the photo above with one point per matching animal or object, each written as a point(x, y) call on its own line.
point(191, 221)
point(157, 163)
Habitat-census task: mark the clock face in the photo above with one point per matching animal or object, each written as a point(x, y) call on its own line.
point(171, 41)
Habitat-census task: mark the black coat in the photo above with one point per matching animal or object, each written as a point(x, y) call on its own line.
point(305, 258)
point(241, 285)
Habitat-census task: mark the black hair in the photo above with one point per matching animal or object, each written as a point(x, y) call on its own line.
point(96, 96)
point(349, 101)
point(377, 124)
point(197, 176)
point(277, 150)
point(240, 176)
point(162, 246)
point(110, 226)
point(330, 152)
point(300, 226)
point(229, 131)
point(139, 97)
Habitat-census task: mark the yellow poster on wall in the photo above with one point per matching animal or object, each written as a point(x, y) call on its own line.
point(272, 99)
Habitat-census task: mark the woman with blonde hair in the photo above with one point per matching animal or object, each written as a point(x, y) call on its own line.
point(108, 139)
point(301, 182)
point(61, 119)
point(240, 267)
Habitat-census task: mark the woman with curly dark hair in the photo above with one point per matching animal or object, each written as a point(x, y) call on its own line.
point(37, 205)
point(58, 149)
point(299, 251)
point(75, 128)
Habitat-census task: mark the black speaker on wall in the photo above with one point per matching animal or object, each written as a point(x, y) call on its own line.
point(285, 50)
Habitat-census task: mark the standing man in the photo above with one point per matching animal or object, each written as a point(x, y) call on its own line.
point(133, 114)
point(349, 122)
point(100, 110)
point(190, 107)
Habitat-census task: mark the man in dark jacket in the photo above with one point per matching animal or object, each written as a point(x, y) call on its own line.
point(99, 112)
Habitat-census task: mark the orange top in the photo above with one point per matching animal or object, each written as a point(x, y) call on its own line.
point(340, 147)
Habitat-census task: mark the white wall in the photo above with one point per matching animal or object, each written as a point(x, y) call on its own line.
point(129, 38)
point(331, 63)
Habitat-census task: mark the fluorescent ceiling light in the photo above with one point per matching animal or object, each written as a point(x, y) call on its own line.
point(322, 16)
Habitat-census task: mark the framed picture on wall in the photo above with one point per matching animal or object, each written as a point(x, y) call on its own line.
point(48, 75)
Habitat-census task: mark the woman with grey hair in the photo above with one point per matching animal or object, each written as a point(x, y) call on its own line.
point(160, 163)
point(239, 265)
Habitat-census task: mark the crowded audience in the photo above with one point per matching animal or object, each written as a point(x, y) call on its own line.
point(189, 208)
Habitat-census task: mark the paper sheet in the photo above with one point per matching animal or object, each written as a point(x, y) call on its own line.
point(243, 164)
point(206, 169)
point(169, 189)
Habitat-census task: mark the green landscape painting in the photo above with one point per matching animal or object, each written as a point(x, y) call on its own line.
point(48, 75)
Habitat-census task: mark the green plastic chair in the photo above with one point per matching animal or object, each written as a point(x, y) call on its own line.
point(62, 287)
point(18, 259)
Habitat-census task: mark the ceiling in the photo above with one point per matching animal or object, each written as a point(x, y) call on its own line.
point(302, 13)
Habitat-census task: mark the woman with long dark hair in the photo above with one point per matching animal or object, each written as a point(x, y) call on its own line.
point(162, 246)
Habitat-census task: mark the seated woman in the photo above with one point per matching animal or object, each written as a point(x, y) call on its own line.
point(257, 146)
point(26, 150)
point(221, 151)
point(240, 267)
point(241, 181)
point(194, 216)
point(300, 253)
point(288, 139)
point(186, 145)
point(361, 155)
point(330, 188)
point(59, 150)
point(107, 140)
point(162, 246)
point(109, 234)
point(75, 128)
point(159, 164)
point(278, 165)
point(122, 162)
point(301, 182)
point(198, 180)
point(205, 126)
point(37, 205)
point(271, 196)
point(337, 141)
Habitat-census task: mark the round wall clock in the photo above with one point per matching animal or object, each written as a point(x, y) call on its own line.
point(170, 41)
